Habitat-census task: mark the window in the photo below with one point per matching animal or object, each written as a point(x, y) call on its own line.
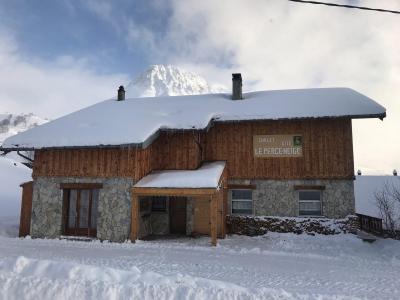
point(242, 202)
point(159, 204)
point(310, 203)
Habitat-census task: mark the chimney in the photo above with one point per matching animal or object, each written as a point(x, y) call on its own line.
point(121, 93)
point(237, 86)
point(359, 173)
point(394, 172)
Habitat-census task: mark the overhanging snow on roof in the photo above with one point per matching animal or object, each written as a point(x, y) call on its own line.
point(206, 177)
point(137, 121)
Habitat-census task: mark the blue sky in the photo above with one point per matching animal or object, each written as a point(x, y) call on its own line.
point(60, 56)
point(49, 29)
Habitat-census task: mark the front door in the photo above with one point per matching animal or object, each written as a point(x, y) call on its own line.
point(177, 215)
point(81, 209)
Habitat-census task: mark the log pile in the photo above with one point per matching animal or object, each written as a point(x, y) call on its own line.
point(252, 226)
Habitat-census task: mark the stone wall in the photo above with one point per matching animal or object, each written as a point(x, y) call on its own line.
point(253, 226)
point(114, 207)
point(279, 198)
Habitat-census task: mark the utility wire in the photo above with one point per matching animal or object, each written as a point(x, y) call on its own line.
point(347, 6)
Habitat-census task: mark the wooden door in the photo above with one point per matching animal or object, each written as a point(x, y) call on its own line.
point(81, 212)
point(177, 215)
point(26, 209)
point(202, 215)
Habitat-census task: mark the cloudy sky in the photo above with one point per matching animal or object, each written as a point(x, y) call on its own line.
point(59, 56)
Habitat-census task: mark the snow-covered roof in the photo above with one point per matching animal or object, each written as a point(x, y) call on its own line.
point(207, 176)
point(137, 120)
point(365, 187)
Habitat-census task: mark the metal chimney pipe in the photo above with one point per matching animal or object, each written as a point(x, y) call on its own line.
point(237, 86)
point(121, 93)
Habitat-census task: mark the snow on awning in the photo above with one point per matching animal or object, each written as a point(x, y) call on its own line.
point(137, 121)
point(207, 176)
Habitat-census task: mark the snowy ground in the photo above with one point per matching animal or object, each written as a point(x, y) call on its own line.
point(275, 266)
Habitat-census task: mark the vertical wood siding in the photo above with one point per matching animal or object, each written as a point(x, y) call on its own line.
point(327, 149)
point(327, 153)
point(170, 151)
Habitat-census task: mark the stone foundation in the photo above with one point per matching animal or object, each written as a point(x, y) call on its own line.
point(279, 198)
point(114, 207)
point(253, 226)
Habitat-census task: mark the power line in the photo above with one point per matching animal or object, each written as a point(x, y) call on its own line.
point(347, 6)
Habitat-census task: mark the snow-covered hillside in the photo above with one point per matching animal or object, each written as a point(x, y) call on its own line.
point(167, 80)
point(11, 124)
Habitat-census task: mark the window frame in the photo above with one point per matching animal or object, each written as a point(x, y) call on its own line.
point(77, 230)
point(241, 200)
point(310, 201)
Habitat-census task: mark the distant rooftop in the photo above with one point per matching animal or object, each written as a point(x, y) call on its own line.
point(137, 120)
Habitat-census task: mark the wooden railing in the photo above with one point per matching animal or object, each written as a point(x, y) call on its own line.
point(371, 224)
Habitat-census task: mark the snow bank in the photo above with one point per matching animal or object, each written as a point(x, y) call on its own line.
point(273, 266)
point(207, 176)
point(134, 121)
point(24, 278)
point(12, 174)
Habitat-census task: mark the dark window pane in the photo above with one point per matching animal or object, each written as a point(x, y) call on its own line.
point(309, 195)
point(242, 207)
point(242, 194)
point(310, 208)
point(242, 211)
point(159, 204)
point(310, 213)
point(72, 208)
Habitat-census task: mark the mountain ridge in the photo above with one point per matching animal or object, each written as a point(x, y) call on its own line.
point(11, 123)
point(169, 80)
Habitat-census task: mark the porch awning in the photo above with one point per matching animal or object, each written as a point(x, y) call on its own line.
point(205, 179)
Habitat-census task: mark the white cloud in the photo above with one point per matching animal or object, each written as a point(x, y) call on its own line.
point(279, 44)
point(276, 44)
point(50, 88)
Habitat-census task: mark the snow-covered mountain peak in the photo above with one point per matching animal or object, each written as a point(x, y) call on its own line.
point(168, 80)
point(11, 124)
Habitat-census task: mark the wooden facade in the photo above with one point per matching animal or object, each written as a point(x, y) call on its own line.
point(327, 148)
point(327, 153)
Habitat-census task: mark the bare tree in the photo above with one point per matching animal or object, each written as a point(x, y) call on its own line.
point(388, 201)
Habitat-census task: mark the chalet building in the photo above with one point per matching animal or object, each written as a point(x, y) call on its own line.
point(131, 168)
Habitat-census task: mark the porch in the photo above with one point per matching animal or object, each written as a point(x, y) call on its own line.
point(180, 202)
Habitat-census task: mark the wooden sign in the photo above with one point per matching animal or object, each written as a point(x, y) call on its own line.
point(278, 145)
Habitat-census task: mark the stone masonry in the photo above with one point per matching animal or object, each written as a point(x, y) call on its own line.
point(270, 198)
point(279, 198)
point(114, 206)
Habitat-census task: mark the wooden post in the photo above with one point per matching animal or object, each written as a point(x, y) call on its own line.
point(213, 220)
point(134, 217)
